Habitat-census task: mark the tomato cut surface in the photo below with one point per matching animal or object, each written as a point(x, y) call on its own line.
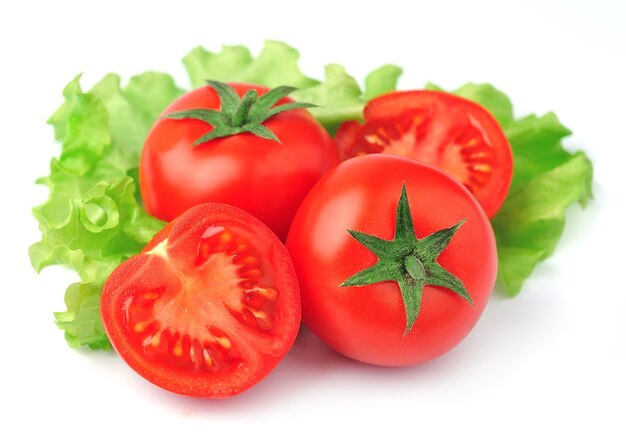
point(208, 308)
point(441, 129)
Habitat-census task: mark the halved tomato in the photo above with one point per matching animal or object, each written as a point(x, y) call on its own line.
point(208, 308)
point(449, 132)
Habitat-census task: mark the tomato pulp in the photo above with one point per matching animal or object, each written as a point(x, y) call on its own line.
point(444, 130)
point(208, 308)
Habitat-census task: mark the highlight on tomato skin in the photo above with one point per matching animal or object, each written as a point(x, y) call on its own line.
point(210, 306)
point(447, 131)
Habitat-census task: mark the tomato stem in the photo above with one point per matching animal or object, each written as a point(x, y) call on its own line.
point(415, 268)
point(240, 114)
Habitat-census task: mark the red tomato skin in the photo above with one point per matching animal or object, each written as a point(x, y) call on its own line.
point(367, 323)
point(446, 116)
point(148, 270)
point(265, 178)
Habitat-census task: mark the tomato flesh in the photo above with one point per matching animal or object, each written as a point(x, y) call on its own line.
point(449, 132)
point(209, 308)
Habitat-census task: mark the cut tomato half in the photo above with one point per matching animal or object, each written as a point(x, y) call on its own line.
point(441, 129)
point(208, 308)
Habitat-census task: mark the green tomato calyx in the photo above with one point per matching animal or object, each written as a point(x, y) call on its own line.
point(409, 261)
point(240, 114)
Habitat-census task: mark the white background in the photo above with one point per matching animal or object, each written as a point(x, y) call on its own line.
point(547, 365)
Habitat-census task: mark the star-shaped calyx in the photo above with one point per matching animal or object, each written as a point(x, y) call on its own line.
point(409, 261)
point(240, 114)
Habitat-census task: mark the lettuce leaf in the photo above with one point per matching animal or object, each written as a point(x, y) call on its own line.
point(92, 220)
point(276, 65)
point(339, 96)
point(547, 179)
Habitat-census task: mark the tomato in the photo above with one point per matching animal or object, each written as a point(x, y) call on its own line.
point(447, 131)
point(208, 308)
point(396, 260)
point(265, 176)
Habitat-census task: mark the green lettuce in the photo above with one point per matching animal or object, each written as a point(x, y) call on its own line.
point(92, 220)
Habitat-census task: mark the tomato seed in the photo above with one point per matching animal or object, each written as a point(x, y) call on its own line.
point(267, 292)
point(156, 340)
point(484, 168)
point(178, 348)
point(207, 358)
point(141, 326)
point(264, 321)
point(224, 342)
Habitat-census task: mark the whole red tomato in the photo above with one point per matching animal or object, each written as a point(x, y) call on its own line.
point(261, 155)
point(396, 260)
point(208, 308)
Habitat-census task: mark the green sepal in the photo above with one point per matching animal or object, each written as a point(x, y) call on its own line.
point(411, 291)
point(409, 261)
point(215, 118)
point(228, 97)
point(240, 114)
